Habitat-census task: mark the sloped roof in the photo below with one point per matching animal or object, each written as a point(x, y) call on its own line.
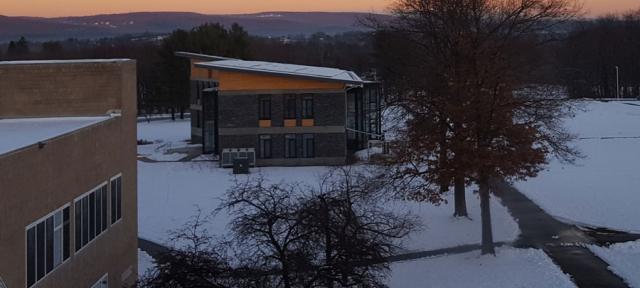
point(320, 73)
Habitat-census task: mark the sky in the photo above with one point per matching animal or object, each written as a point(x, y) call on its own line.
point(53, 8)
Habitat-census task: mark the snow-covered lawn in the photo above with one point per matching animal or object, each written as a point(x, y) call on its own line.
point(624, 260)
point(165, 135)
point(603, 189)
point(170, 193)
point(145, 263)
point(525, 268)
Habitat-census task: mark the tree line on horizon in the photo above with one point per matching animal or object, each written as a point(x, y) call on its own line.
point(591, 58)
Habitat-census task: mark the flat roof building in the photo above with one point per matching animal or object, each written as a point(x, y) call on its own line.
point(290, 115)
point(68, 201)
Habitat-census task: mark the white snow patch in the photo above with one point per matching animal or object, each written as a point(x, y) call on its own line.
point(524, 268)
point(165, 135)
point(602, 189)
point(170, 193)
point(624, 260)
point(23, 132)
point(146, 264)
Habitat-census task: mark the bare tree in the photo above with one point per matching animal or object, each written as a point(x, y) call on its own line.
point(337, 234)
point(467, 73)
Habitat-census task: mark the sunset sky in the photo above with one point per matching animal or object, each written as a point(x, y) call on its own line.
point(52, 8)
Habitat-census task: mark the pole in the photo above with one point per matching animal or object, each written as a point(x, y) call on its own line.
point(617, 82)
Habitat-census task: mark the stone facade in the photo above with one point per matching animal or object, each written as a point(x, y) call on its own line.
point(37, 180)
point(239, 126)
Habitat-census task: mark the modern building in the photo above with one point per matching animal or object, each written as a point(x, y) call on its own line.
point(68, 211)
point(290, 115)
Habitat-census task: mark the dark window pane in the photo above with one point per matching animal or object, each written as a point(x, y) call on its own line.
point(98, 222)
point(40, 250)
point(113, 201)
point(119, 198)
point(104, 208)
point(31, 256)
point(308, 148)
point(49, 243)
point(65, 234)
point(290, 106)
point(85, 221)
point(265, 107)
point(290, 146)
point(307, 107)
point(78, 224)
point(92, 216)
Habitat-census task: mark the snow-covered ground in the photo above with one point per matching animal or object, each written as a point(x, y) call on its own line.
point(603, 189)
point(170, 193)
point(524, 268)
point(623, 259)
point(165, 136)
point(145, 263)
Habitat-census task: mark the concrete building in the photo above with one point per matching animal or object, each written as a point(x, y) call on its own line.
point(290, 115)
point(68, 180)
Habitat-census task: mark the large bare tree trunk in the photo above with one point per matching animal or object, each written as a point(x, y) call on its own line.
point(488, 246)
point(460, 197)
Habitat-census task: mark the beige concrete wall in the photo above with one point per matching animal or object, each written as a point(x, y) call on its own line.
point(61, 89)
point(36, 181)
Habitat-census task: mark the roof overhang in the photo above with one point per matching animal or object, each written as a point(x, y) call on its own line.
point(212, 65)
point(203, 57)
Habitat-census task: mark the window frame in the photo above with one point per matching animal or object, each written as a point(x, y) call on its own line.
point(265, 107)
point(290, 106)
point(34, 225)
point(269, 138)
point(287, 148)
point(307, 110)
point(118, 204)
point(305, 147)
point(80, 199)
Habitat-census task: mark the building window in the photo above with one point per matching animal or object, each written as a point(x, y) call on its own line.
point(102, 283)
point(290, 106)
point(265, 146)
point(290, 146)
point(265, 107)
point(90, 216)
point(307, 107)
point(116, 199)
point(308, 146)
point(47, 244)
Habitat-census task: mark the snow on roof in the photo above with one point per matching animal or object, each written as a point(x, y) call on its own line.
point(324, 73)
point(201, 56)
point(23, 132)
point(71, 61)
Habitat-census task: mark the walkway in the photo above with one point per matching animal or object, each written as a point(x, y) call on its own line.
point(564, 243)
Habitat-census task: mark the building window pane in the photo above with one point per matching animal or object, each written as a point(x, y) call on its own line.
point(119, 202)
point(40, 249)
point(78, 224)
point(265, 146)
point(290, 146)
point(104, 208)
point(31, 256)
point(265, 107)
point(116, 199)
point(85, 221)
point(49, 243)
point(308, 146)
point(92, 215)
point(307, 107)
point(65, 234)
point(290, 106)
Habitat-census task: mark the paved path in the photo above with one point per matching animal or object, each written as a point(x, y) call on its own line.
point(563, 243)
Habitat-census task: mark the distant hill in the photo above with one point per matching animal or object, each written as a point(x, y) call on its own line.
point(263, 24)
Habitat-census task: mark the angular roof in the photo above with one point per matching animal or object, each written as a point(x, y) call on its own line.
point(201, 56)
point(313, 72)
point(23, 132)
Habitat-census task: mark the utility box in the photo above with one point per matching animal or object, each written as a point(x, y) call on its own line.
point(241, 166)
